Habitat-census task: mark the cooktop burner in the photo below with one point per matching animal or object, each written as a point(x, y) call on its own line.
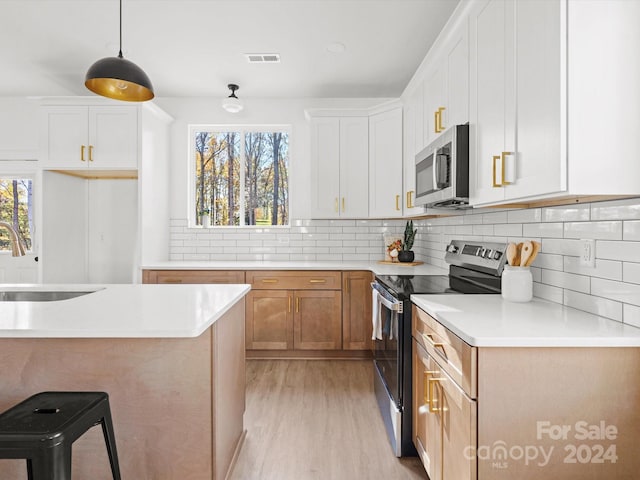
point(402, 286)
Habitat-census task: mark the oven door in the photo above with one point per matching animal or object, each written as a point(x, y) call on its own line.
point(387, 354)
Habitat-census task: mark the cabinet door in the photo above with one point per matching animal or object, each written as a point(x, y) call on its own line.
point(269, 320)
point(457, 78)
point(317, 321)
point(354, 165)
point(64, 137)
point(426, 432)
point(325, 167)
point(434, 101)
point(113, 137)
point(356, 311)
point(385, 164)
point(457, 416)
point(540, 165)
point(413, 135)
point(491, 98)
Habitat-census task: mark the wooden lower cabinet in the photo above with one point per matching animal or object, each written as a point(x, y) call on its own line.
point(293, 320)
point(356, 310)
point(192, 276)
point(269, 320)
point(317, 322)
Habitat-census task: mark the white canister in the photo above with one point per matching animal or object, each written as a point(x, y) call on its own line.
point(517, 284)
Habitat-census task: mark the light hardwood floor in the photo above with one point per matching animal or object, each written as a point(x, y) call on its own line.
point(316, 419)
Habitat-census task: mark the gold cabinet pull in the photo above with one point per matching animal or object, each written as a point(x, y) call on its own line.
point(289, 303)
point(172, 280)
point(429, 339)
point(342, 204)
point(503, 159)
point(269, 280)
point(433, 407)
point(409, 199)
point(297, 304)
point(398, 202)
point(495, 183)
point(91, 153)
point(317, 280)
point(425, 393)
point(439, 127)
point(436, 114)
point(336, 205)
point(346, 285)
point(82, 147)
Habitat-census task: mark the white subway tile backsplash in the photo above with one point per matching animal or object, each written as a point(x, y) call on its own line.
point(530, 215)
point(631, 272)
point(616, 210)
point(620, 291)
point(625, 251)
point(538, 230)
point(631, 315)
point(610, 289)
point(596, 230)
point(631, 230)
point(579, 283)
point(592, 304)
point(609, 269)
point(567, 213)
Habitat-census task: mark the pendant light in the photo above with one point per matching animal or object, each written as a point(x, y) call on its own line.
point(118, 78)
point(232, 104)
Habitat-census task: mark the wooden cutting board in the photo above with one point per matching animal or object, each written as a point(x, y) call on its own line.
point(404, 264)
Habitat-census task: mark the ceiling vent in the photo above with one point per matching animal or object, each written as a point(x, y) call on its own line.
point(263, 57)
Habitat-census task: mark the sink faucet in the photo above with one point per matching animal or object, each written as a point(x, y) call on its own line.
point(17, 247)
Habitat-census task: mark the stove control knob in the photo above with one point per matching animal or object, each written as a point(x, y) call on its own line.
point(452, 248)
point(488, 254)
point(481, 252)
point(497, 255)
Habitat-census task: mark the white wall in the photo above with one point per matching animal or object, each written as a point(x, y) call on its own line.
point(18, 128)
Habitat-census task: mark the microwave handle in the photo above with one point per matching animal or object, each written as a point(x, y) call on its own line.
point(435, 170)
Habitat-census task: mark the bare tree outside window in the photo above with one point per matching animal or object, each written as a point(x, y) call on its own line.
point(16, 208)
point(264, 167)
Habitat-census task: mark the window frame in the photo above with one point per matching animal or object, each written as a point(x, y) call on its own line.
point(242, 129)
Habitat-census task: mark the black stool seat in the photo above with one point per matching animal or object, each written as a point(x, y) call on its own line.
point(42, 428)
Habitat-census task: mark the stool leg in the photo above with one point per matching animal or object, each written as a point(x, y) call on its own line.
point(110, 441)
point(51, 464)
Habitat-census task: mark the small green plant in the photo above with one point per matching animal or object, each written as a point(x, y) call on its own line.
point(409, 236)
point(204, 211)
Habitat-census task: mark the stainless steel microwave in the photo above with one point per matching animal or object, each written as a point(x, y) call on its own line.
point(442, 170)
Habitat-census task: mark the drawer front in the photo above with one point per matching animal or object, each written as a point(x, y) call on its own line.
point(294, 280)
point(193, 276)
point(455, 356)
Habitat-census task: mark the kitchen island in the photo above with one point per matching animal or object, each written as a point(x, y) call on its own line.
point(171, 358)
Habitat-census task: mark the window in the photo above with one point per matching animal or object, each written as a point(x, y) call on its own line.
point(16, 208)
point(241, 175)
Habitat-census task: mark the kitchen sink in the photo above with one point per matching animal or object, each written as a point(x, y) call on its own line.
point(38, 295)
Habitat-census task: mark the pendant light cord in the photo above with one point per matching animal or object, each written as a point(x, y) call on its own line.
point(120, 51)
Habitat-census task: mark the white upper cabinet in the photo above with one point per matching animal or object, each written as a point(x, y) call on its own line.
point(385, 164)
point(548, 102)
point(339, 166)
point(413, 139)
point(98, 137)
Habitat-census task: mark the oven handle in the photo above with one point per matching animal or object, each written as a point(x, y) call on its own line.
point(393, 306)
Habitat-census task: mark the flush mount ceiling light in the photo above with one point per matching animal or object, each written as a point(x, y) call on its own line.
point(232, 104)
point(118, 78)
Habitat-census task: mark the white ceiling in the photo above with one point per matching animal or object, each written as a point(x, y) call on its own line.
point(197, 47)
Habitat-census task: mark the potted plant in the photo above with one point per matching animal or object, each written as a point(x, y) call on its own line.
point(406, 255)
point(204, 218)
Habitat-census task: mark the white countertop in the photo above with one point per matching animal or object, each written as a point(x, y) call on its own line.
point(490, 321)
point(375, 267)
point(124, 311)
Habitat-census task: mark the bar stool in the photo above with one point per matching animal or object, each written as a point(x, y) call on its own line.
point(42, 428)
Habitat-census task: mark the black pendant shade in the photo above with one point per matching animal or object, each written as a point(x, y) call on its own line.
point(120, 79)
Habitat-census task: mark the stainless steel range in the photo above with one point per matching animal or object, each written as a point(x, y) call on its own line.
point(474, 267)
